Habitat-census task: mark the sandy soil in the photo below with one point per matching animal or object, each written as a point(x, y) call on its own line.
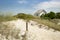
point(35, 32)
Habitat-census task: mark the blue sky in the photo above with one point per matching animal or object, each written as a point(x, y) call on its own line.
point(29, 6)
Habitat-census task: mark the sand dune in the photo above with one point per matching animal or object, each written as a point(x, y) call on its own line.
point(35, 32)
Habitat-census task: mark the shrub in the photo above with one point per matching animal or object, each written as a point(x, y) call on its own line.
point(50, 15)
point(24, 16)
point(58, 15)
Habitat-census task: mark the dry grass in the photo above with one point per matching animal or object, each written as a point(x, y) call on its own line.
point(48, 23)
point(7, 30)
point(7, 18)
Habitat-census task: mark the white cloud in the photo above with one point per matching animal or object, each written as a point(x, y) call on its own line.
point(48, 5)
point(22, 2)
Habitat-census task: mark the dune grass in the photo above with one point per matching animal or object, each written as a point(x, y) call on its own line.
point(40, 21)
point(31, 17)
point(7, 18)
point(48, 23)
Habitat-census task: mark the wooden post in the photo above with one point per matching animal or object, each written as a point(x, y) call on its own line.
point(26, 29)
point(26, 25)
point(26, 32)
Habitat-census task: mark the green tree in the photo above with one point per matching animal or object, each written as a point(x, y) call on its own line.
point(58, 15)
point(50, 15)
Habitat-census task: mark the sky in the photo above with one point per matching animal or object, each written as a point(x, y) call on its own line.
point(29, 6)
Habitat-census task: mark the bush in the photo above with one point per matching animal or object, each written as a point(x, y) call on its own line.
point(24, 16)
point(58, 15)
point(50, 15)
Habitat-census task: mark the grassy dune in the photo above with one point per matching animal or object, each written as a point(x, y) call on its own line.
point(31, 17)
point(48, 23)
point(7, 18)
point(8, 29)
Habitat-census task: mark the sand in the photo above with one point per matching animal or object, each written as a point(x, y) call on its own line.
point(35, 32)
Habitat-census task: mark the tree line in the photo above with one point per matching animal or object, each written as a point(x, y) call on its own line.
point(51, 15)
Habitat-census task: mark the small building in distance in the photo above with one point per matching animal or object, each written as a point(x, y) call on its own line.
point(40, 12)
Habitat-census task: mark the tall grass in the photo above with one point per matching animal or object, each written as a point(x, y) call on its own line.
point(48, 23)
point(7, 18)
